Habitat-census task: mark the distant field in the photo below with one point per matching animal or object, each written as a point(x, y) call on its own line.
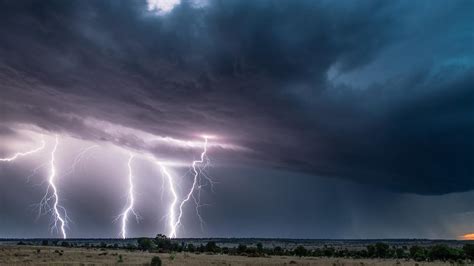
point(45, 255)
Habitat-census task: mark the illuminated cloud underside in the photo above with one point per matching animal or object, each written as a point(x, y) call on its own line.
point(50, 203)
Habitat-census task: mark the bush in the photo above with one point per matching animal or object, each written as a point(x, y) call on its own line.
point(400, 253)
point(155, 261)
point(225, 250)
point(163, 242)
point(145, 243)
point(191, 248)
point(278, 250)
point(242, 248)
point(172, 256)
point(130, 246)
point(381, 250)
point(417, 253)
point(300, 251)
point(371, 251)
point(211, 246)
point(443, 252)
point(469, 250)
point(329, 251)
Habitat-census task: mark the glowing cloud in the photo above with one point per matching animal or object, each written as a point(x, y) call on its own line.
point(21, 154)
point(162, 6)
point(51, 202)
point(468, 236)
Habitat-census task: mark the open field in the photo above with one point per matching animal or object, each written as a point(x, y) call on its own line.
point(44, 255)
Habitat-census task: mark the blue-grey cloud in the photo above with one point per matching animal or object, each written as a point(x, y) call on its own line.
point(281, 78)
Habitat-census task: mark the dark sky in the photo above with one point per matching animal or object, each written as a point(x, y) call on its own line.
point(347, 119)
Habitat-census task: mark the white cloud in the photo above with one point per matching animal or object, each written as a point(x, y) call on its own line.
point(162, 6)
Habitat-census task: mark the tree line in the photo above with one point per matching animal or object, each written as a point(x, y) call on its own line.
point(163, 244)
point(378, 250)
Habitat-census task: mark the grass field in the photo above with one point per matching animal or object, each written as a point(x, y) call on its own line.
point(41, 255)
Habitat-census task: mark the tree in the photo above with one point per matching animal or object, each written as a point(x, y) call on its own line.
point(145, 243)
point(300, 251)
point(443, 252)
point(278, 250)
point(130, 246)
point(191, 248)
point(363, 253)
point(439, 252)
point(469, 250)
point(201, 248)
point(242, 248)
point(381, 250)
point(417, 253)
point(163, 242)
point(371, 251)
point(259, 247)
point(211, 246)
point(400, 252)
point(328, 251)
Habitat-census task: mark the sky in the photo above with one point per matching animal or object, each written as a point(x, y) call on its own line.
point(324, 119)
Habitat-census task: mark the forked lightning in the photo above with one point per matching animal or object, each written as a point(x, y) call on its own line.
point(130, 200)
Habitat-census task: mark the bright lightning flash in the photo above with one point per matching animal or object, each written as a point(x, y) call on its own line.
point(21, 154)
point(193, 188)
point(56, 209)
point(175, 222)
point(60, 218)
point(130, 200)
point(171, 212)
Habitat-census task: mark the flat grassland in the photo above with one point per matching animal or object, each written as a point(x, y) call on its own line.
point(43, 255)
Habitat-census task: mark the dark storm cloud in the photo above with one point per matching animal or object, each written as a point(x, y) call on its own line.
point(258, 73)
point(6, 131)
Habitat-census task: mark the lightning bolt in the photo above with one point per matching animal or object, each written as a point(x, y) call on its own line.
point(50, 202)
point(56, 209)
point(21, 154)
point(130, 200)
point(193, 188)
point(171, 210)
